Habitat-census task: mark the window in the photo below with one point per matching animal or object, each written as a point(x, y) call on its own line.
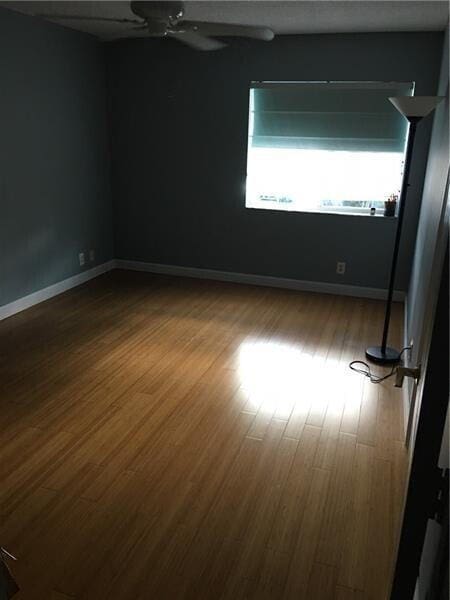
point(325, 147)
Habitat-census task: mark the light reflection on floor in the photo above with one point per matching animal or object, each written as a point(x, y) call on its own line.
point(279, 376)
point(274, 374)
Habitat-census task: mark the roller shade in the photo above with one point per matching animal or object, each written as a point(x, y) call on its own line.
point(327, 116)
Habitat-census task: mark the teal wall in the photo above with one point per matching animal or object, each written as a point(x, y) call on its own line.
point(179, 134)
point(55, 197)
point(178, 126)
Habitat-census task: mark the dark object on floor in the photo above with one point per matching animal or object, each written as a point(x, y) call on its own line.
point(8, 585)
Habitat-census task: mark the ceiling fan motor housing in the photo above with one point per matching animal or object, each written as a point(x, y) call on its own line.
point(166, 12)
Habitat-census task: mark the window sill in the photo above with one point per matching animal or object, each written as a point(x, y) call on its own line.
point(333, 213)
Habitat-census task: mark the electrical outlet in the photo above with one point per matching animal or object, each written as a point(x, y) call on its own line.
point(92, 255)
point(81, 259)
point(340, 268)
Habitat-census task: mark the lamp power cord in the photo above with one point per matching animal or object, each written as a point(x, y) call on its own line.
point(367, 371)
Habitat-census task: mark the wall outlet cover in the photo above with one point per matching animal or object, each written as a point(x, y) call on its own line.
point(340, 268)
point(81, 258)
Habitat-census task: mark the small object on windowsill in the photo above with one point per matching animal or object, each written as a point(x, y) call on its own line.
point(373, 211)
point(390, 206)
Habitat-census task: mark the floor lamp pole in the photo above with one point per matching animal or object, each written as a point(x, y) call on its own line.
point(414, 109)
point(384, 354)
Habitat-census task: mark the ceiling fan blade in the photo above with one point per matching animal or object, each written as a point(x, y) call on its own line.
point(225, 29)
point(196, 40)
point(86, 18)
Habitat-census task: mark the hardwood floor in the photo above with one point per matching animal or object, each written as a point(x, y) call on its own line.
point(171, 438)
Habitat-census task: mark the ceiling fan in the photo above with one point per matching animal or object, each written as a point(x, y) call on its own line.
point(165, 19)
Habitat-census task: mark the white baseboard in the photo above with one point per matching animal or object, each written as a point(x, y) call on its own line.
point(264, 280)
point(7, 310)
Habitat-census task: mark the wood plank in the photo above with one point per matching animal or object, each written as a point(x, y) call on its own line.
point(368, 417)
point(381, 532)
point(322, 582)
point(336, 515)
point(343, 593)
point(287, 523)
point(354, 559)
point(303, 556)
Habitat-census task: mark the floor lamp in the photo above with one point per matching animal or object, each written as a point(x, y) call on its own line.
point(414, 109)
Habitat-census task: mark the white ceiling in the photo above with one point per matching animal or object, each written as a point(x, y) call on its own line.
point(284, 17)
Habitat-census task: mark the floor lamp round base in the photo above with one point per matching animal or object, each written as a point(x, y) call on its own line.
point(390, 356)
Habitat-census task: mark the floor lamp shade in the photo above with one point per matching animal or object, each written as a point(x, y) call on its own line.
point(416, 106)
point(413, 108)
